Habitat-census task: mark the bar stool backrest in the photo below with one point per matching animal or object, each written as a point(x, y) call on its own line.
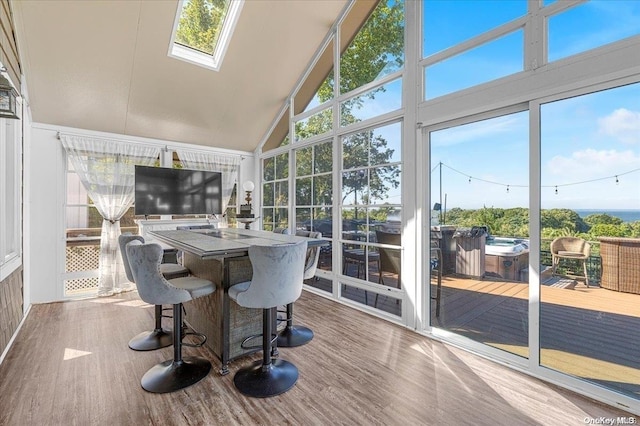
point(153, 288)
point(313, 254)
point(123, 240)
point(277, 275)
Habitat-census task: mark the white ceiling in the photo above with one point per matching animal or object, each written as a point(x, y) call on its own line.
point(103, 65)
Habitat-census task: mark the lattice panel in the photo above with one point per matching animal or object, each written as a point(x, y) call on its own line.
point(80, 285)
point(82, 258)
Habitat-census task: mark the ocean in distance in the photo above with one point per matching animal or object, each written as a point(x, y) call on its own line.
point(625, 215)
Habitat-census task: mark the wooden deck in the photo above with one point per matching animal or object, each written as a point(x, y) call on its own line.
point(592, 333)
point(70, 365)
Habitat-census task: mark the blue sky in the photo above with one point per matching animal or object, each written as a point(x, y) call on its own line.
point(591, 137)
point(594, 138)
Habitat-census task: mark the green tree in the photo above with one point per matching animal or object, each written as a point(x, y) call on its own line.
point(634, 229)
point(607, 230)
point(378, 46)
point(200, 23)
point(504, 222)
point(563, 219)
point(602, 218)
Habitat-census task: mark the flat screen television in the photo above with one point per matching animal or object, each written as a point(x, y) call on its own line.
point(164, 191)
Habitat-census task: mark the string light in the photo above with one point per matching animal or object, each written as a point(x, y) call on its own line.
point(508, 186)
point(469, 177)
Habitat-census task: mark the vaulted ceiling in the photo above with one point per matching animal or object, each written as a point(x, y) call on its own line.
point(103, 65)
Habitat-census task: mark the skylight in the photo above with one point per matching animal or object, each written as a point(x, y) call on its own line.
point(202, 31)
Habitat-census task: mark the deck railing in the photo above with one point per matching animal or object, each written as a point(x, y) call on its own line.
point(574, 267)
point(82, 253)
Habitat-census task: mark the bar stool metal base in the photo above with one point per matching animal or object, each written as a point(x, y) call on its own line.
point(170, 376)
point(262, 381)
point(294, 335)
point(151, 340)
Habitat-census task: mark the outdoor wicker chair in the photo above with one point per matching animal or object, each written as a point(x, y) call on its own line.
point(570, 248)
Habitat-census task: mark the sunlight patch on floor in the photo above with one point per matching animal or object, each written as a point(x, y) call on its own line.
point(135, 304)
point(74, 353)
point(535, 402)
point(106, 300)
point(418, 347)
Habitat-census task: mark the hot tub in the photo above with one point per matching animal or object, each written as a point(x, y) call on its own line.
point(498, 246)
point(506, 258)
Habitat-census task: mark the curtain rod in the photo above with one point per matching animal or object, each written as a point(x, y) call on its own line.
point(163, 147)
point(111, 139)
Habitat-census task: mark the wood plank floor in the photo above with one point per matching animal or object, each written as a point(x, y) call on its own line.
point(70, 365)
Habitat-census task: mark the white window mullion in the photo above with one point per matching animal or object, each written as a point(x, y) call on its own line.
point(534, 234)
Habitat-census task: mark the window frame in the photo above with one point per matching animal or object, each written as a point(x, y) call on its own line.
point(11, 250)
point(201, 59)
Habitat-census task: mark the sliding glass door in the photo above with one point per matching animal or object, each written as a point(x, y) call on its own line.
point(590, 237)
point(480, 231)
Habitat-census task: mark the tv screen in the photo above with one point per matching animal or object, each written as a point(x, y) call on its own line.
point(163, 191)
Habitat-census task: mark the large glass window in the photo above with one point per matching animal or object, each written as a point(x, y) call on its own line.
point(375, 102)
point(378, 48)
point(480, 232)
point(447, 23)
point(314, 194)
point(590, 236)
point(498, 58)
point(371, 210)
point(317, 124)
point(10, 195)
point(590, 25)
point(275, 192)
point(83, 230)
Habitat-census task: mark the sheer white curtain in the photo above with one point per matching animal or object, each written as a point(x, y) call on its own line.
point(228, 165)
point(106, 170)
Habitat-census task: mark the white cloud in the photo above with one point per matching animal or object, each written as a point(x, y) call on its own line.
point(591, 164)
point(621, 124)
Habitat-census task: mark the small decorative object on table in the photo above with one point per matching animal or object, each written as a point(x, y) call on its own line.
point(245, 209)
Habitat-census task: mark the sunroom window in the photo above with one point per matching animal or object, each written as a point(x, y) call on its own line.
point(203, 29)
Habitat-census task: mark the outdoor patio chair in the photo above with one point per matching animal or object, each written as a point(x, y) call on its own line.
point(390, 258)
point(572, 248)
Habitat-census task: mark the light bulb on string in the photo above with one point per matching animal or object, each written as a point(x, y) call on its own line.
point(507, 189)
point(469, 179)
point(617, 181)
point(556, 190)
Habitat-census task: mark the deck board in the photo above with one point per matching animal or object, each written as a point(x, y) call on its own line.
point(591, 333)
